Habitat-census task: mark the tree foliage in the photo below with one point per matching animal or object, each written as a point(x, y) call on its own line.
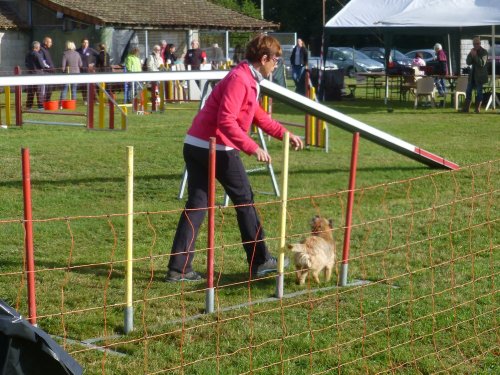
point(303, 17)
point(247, 7)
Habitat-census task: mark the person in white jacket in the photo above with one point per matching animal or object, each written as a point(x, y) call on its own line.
point(155, 63)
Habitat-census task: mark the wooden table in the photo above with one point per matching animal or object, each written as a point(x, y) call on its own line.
point(376, 81)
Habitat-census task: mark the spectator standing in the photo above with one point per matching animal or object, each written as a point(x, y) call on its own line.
point(71, 63)
point(133, 64)
point(102, 63)
point(441, 69)
point(218, 56)
point(49, 63)
point(170, 57)
point(477, 59)
point(34, 65)
point(298, 60)
point(227, 115)
point(133, 61)
point(88, 56)
point(239, 54)
point(155, 63)
point(195, 57)
point(163, 49)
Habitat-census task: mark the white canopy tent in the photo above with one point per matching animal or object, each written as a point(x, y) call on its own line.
point(446, 13)
point(362, 13)
point(412, 16)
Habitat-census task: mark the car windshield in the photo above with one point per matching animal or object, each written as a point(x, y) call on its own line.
point(497, 51)
point(398, 55)
point(357, 55)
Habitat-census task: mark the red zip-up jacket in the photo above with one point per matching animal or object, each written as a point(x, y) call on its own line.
point(231, 109)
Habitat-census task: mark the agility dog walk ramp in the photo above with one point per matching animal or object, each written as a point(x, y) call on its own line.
point(296, 100)
point(351, 125)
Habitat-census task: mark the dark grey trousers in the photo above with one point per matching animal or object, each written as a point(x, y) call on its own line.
point(231, 174)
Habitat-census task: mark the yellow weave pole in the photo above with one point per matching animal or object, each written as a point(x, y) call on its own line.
point(101, 105)
point(322, 133)
point(284, 198)
point(170, 90)
point(129, 309)
point(162, 95)
point(7, 105)
point(312, 123)
point(124, 117)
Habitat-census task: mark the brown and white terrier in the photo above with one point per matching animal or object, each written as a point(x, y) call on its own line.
point(316, 253)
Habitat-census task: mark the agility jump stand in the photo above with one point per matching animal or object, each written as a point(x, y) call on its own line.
point(19, 110)
point(89, 115)
point(108, 98)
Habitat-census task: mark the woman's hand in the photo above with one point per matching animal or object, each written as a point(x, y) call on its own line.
point(296, 142)
point(262, 155)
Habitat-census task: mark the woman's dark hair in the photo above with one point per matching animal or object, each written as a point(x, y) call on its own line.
point(262, 45)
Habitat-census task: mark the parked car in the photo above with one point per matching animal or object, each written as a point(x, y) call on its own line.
point(351, 61)
point(398, 62)
point(497, 59)
point(314, 62)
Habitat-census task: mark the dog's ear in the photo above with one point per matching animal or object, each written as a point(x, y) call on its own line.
point(290, 247)
point(330, 223)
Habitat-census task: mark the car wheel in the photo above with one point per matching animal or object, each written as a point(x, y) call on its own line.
point(350, 72)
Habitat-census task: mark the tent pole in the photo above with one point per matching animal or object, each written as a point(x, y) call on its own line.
point(493, 68)
point(449, 56)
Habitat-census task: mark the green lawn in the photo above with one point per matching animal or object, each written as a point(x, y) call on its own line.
point(424, 243)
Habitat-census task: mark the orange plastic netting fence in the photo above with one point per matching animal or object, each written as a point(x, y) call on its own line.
point(421, 296)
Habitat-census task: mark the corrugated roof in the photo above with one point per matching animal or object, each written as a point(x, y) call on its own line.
point(8, 18)
point(166, 14)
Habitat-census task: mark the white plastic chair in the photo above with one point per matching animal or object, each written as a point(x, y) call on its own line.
point(460, 87)
point(425, 87)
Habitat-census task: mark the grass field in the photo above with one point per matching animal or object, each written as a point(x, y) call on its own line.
point(424, 242)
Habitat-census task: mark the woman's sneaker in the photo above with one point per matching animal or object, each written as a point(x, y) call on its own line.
point(269, 266)
point(173, 276)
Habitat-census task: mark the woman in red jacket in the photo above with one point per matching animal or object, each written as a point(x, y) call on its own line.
point(227, 115)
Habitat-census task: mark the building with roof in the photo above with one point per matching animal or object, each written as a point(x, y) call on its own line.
point(119, 24)
point(14, 38)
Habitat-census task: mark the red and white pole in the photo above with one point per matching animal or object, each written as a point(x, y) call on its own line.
point(350, 204)
point(28, 242)
point(209, 297)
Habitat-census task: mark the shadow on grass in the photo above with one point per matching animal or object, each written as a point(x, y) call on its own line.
point(178, 176)
point(76, 181)
point(237, 280)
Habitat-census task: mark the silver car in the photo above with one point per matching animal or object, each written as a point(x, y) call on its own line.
point(352, 61)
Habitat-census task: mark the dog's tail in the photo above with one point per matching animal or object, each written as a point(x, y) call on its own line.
point(302, 258)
